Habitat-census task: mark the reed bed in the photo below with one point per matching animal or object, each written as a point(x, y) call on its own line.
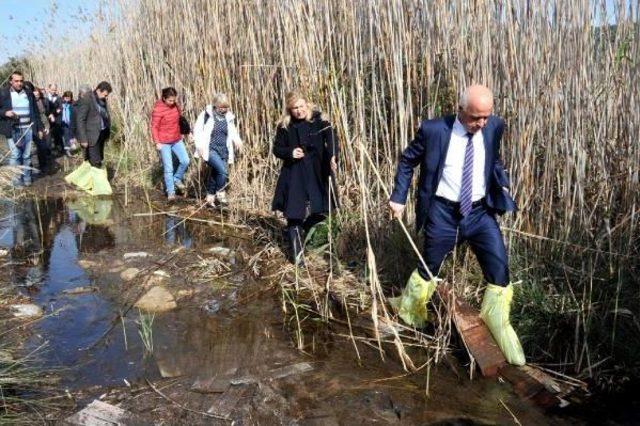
point(565, 81)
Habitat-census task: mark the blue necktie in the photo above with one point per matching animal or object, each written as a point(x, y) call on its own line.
point(466, 188)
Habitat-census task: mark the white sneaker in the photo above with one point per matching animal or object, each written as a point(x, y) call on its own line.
point(222, 198)
point(211, 200)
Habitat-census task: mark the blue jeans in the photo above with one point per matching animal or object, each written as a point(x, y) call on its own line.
point(66, 136)
point(20, 154)
point(218, 177)
point(445, 228)
point(166, 154)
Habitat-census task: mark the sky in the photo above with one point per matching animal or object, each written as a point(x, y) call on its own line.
point(19, 18)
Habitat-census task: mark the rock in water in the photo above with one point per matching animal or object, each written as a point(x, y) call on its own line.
point(100, 413)
point(158, 299)
point(135, 254)
point(129, 274)
point(27, 311)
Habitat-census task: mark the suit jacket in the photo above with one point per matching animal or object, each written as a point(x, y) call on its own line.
point(52, 109)
point(429, 150)
point(88, 120)
point(6, 124)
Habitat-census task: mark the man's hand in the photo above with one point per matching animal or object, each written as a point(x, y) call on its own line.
point(10, 114)
point(298, 153)
point(396, 209)
point(52, 118)
point(158, 146)
point(84, 144)
point(40, 134)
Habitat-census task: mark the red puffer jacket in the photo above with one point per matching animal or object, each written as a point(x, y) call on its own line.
point(165, 123)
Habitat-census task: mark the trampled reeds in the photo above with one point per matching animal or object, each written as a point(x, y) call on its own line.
point(565, 81)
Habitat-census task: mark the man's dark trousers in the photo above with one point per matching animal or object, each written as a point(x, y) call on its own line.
point(95, 153)
point(445, 228)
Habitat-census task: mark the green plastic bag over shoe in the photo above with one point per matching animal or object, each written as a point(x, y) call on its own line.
point(81, 177)
point(411, 305)
point(495, 311)
point(101, 185)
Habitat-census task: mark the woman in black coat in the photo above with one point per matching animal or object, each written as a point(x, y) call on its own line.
point(306, 191)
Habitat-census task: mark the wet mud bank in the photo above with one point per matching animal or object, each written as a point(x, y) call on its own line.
point(178, 321)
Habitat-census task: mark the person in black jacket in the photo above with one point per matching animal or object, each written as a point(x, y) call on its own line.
point(93, 123)
point(305, 192)
point(19, 120)
point(54, 111)
point(92, 129)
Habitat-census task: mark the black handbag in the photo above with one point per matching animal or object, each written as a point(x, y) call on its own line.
point(185, 128)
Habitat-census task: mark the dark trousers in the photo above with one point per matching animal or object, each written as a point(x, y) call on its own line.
point(445, 228)
point(55, 134)
point(297, 229)
point(95, 153)
point(44, 153)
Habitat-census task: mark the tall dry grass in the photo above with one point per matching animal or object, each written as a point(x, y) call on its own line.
point(567, 88)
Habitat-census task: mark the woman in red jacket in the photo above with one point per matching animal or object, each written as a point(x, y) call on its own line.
point(165, 130)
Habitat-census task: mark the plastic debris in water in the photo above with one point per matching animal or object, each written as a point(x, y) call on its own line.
point(211, 307)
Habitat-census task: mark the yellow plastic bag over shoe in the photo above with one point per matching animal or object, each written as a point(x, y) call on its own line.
point(101, 185)
point(411, 305)
point(94, 211)
point(81, 177)
point(495, 311)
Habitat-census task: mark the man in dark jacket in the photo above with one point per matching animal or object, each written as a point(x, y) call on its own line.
point(462, 185)
point(54, 113)
point(19, 119)
point(92, 129)
point(93, 123)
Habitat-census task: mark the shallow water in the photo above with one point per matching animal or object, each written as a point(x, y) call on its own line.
point(47, 239)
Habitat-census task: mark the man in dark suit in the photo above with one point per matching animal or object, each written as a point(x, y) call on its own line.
point(93, 123)
point(19, 121)
point(54, 110)
point(462, 186)
point(92, 129)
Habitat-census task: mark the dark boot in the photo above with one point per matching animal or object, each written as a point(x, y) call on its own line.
point(295, 235)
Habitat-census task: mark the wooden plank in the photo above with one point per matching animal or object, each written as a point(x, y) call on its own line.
point(225, 403)
point(526, 381)
point(475, 335)
point(528, 386)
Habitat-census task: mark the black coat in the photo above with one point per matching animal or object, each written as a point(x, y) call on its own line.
point(88, 120)
point(6, 123)
point(306, 179)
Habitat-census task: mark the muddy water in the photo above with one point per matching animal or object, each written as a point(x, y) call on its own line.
point(50, 243)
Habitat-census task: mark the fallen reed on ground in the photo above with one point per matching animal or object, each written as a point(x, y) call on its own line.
point(565, 83)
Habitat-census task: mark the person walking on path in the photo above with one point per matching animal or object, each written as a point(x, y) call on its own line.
point(305, 192)
point(45, 159)
point(54, 111)
point(462, 186)
point(67, 116)
point(93, 123)
point(217, 138)
point(19, 120)
point(165, 131)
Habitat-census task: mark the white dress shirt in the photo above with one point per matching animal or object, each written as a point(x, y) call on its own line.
point(449, 185)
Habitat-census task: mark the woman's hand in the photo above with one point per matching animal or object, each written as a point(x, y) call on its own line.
point(158, 146)
point(298, 153)
point(334, 164)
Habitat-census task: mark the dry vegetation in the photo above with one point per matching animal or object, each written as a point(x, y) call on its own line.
point(567, 88)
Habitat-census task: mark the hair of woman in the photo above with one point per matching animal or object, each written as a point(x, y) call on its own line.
point(169, 92)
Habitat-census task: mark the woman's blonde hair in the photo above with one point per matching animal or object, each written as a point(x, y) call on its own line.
point(289, 100)
point(220, 98)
